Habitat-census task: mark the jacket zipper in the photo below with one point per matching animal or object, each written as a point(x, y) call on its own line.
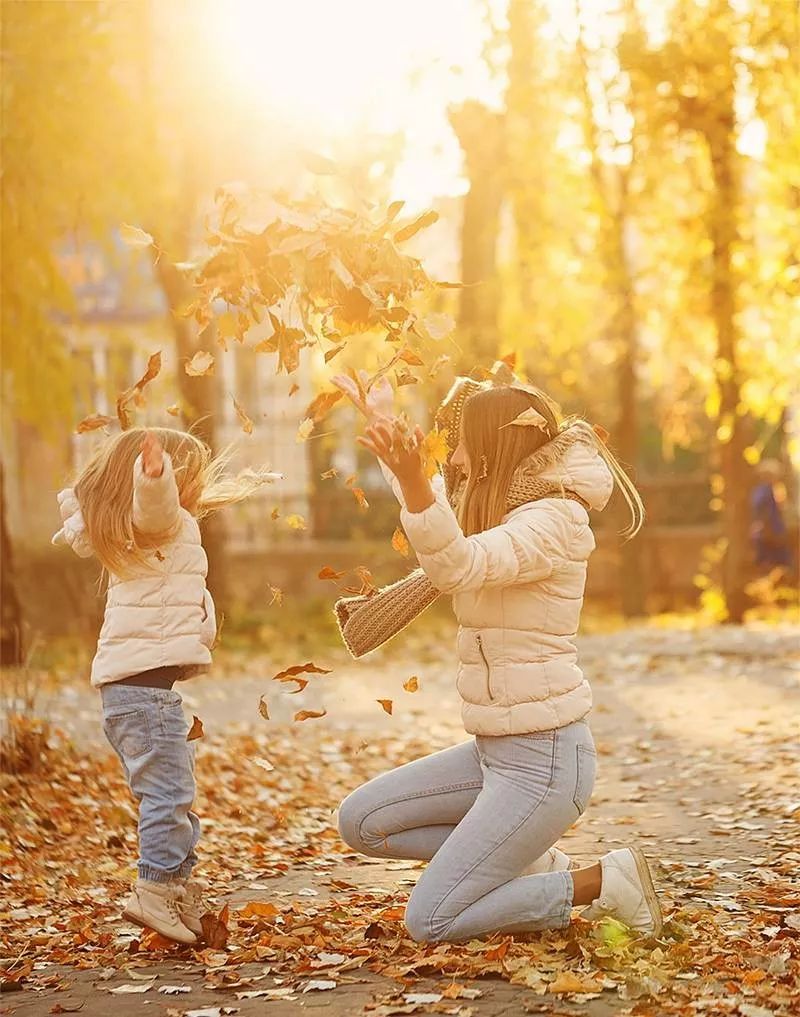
point(486, 665)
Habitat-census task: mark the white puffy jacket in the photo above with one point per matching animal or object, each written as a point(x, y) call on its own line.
point(162, 615)
point(517, 593)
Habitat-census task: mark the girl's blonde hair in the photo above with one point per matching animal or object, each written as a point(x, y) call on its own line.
point(104, 489)
point(496, 450)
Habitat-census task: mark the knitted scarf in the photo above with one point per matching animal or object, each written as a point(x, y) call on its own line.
point(367, 622)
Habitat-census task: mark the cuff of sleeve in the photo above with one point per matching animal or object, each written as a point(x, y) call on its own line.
point(433, 529)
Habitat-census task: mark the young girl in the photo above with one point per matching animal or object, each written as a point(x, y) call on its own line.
point(135, 507)
point(488, 812)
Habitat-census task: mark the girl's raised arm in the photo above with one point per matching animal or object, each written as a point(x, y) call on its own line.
point(155, 494)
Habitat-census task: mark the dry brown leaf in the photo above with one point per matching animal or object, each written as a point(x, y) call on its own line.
point(412, 685)
point(291, 672)
point(202, 363)
point(275, 513)
point(309, 714)
point(387, 705)
point(277, 596)
point(304, 430)
point(93, 423)
point(360, 497)
point(566, 981)
point(263, 709)
point(244, 420)
point(322, 404)
point(294, 389)
point(400, 542)
point(215, 929)
point(326, 572)
point(196, 730)
point(295, 522)
point(329, 474)
point(135, 391)
point(174, 410)
point(258, 909)
point(408, 356)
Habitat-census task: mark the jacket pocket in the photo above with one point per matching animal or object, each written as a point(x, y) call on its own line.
point(128, 733)
point(586, 767)
point(482, 653)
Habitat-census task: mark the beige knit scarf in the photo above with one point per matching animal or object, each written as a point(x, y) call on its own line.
point(367, 622)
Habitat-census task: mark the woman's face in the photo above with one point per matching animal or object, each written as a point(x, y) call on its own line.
point(460, 458)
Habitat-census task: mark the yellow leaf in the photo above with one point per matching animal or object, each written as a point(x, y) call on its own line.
point(425, 220)
point(202, 363)
point(277, 596)
point(360, 497)
point(435, 451)
point(400, 542)
point(133, 236)
point(386, 704)
point(304, 430)
point(275, 513)
point(751, 455)
point(295, 522)
point(227, 325)
point(174, 410)
point(567, 982)
point(412, 685)
point(93, 423)
point(244, 420)
point(196, 730)
point(329, 474)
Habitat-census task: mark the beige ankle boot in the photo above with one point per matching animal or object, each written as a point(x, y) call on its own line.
point(156, 906)
point(193, 906)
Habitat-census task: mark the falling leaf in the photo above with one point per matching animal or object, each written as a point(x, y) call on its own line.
point(319, 407)
point(408, 356)
point(275, 513)
point(308, 668)
point(301, 684)
point(412, 684)
point(202, 363)
point(134, 236)
point(263, 763)
point(529, 418)
point(360, 497)
point(330, 354)
point(309, 714)
point(406, 378)
point(435, 451)
point(425, 220)
point(93, 423)
point(329, 474)
point(400, 542)
point(135, 391)
point(196, 730)
point(295, 522)
point(215, 929)
point(326, 572)
point(294, 389)
point(174, 410)
point(304, 430)
point(386, 704)
point(438, 364)
point(262, 708)
point(394, 209)
point(277, 596)
point(244, 420)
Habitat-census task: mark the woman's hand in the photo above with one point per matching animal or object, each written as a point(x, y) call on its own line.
point(401, 449)
point(152, 456)
point(377, 403)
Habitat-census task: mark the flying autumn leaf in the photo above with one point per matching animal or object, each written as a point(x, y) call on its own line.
point(326, 572)
point(304, 430)
point(244, 420)
point(387, 705)
point(295, 522)
point(93, 423)
point(133, 236)
point(408, 356)
point(174, 410)
point(425, 220)
point(277, 596)
point(290, 672)
point(309, 714)
point(294, 389)
point(319, 407)
point(435, 451)
point(201, 364)
point(329, 474)
point(360, 497)
point(135, 391)
point(301, 684)
point(412, 685)
point(275, 513)
point(263, 708)
point(529, 418)
point(196, 730)
point(400, 542)
point(330, 354)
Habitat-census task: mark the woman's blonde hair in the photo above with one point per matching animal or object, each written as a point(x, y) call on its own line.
point(104, 489)
point(496, 450)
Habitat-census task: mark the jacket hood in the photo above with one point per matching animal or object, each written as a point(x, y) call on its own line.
point(580, 468)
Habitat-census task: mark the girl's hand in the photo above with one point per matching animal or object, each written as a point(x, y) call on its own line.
point(152, 456)
point(402, 451)
point(376, 404)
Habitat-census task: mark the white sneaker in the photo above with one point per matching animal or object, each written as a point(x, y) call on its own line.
point(627, 893)
point(193, 906)
point(551, 861)
point(156, 906)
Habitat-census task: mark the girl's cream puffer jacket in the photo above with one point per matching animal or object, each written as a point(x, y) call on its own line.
point(517, 593)
point(162, 615)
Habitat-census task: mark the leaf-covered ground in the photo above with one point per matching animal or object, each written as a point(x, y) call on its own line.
point(699, 743)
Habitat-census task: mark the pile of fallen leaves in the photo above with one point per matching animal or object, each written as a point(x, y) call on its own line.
point(303, 915)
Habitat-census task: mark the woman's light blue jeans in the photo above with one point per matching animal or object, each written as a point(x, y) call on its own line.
point(147, 729)
point(482, 812)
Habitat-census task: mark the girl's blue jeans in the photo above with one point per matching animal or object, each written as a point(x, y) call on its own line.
point(147, 729)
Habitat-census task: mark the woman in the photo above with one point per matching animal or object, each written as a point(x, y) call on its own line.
point(488, 812)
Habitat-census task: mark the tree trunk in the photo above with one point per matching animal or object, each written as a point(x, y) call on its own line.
point(11, 647)
point(731, 424)
point(480, 134)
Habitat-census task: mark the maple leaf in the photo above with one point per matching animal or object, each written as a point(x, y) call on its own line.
point(302, 715)
point(196, 730)
point(93, 423)
point(412, 684)
point(386, 704)
point(202, 363)
point(326, 572)
point(263, 709)
point(400, 542)
point(244, 420)
point(304, 430)
point(295, 522)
